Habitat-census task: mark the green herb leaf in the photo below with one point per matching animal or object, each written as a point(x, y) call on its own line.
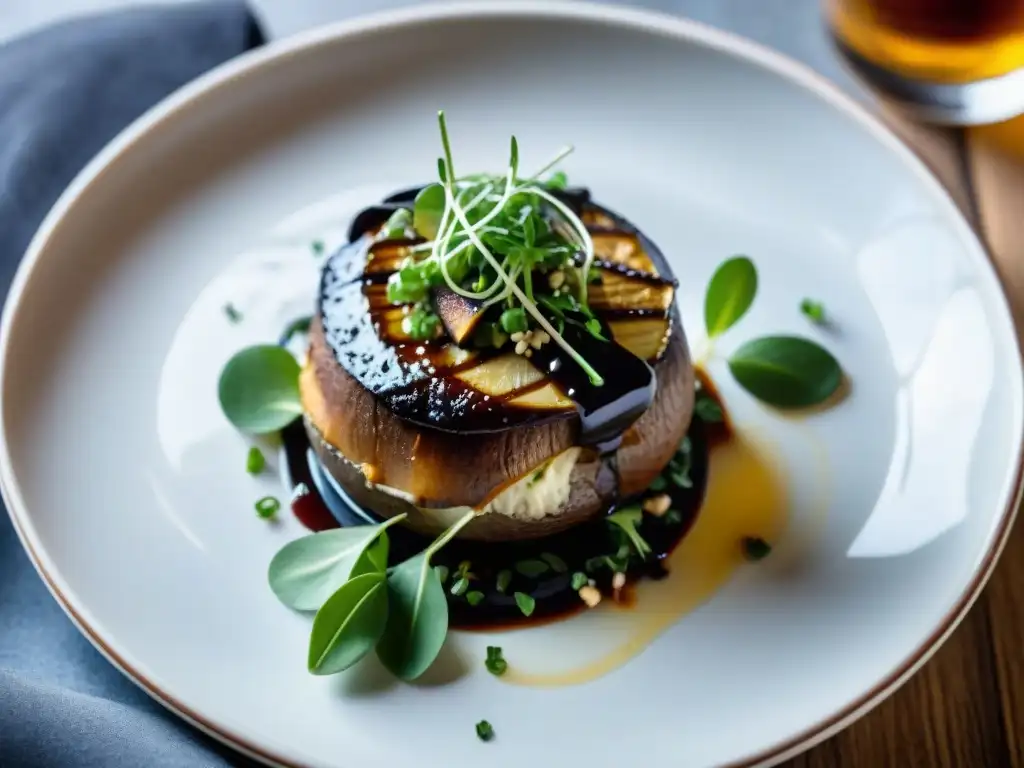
point(233, 315)
point(460, 586)
point(397, 224)
point(755, 548)
point(418, 615)
point(484, 731)
point(255, 462)
point(268, 507)
point(627, 519)
point(786, 371)
point(307, 571)
point(514, 320)
point(672, 517)
point(475, 597)
point(296, 327)
point(504, 579)
point(658, 484)
point(813, 310)
point(373, 559)
point(708, 409)
point(422, 324)
point(729, 295)
point(427, 211)
point(317, 246)
point(349, 624)
point(525, 602)
point(495, 662)
point(259, 389)
point(557, 180)
point(579, 581)
point(557, 564)
point(531, 569)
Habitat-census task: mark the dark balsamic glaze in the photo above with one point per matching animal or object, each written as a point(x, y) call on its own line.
point(552, 591)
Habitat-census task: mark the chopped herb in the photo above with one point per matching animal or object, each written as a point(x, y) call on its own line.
point(594, 326)
point(254, 462)
point(442, 573)
point(557, 564)
point(708, 409)
point(295, 327)
point(504, 579)
point(679, 466)
point(397, 224)
point(673, 517)
point(495, 662)
point(755, 548)
point(813, 310)
point(537, 476)
point(317, 246)
point(462, 571)
point(475, 597)
point(232, 313)
point(531, 569)
point(460, 586)
point(421, 324)
point(267, 507)
point(658, 484)
point(579, 580)
point(557, 180)
point(526, 603)
point(484, 731)
point(626, 520)
point(514, 320)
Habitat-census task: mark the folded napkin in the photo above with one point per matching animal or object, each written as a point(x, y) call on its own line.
point(64, 93)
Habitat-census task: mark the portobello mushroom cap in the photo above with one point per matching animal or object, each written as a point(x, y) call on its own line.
point(432, 429)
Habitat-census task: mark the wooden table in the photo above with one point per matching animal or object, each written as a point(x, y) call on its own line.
point(965, 708)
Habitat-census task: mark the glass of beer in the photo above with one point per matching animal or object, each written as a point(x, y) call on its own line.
point(957, 62)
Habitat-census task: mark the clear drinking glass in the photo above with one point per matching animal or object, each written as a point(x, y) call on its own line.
point(957, 62)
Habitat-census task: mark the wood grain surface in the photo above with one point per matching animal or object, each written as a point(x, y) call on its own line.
point(965, 707)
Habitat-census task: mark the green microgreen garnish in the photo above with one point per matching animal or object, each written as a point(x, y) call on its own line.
point(679, 466)
point(317, 247)
point(503, 581)
point(755, 548)
point(626, 520)
point(421, 324)
point(232, 313)
point(579, 580)
point(532, 569)
point(813, 311)
point(397, 225)
point(489, 239)
point(484, 731)
point(707, 408)
point(254, 461)
point(556, 563)
point(729, 295)
point(259, 389)
point(672, 517)
point(475, 597)
point(268, 507)
point(495, 662)
point(526, 603)
point(296, 327)
point(460, 586)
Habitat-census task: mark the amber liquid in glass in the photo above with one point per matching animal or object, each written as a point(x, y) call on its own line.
point(943, 41)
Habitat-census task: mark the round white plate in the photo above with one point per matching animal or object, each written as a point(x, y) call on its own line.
point(127, 485)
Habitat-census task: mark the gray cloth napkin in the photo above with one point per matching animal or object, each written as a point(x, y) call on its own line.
point(64, 93)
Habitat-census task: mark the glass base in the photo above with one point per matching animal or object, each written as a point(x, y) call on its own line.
point(976, 103)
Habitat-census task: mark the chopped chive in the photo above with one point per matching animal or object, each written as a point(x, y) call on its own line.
point(267, 507)
point(532, 569)
point(504, 579)
point(459, 587)
point(484, 731)
point(232, 313)
point(579, 581)
point(495, 662)
point(526, 603)
point(755, 548)
point(317, 246)
point(813, 310)
point(658, 484)
point(475, 597)
point(557, 564)
point(254, 462)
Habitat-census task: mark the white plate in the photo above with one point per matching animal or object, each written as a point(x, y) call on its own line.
point(127, 485)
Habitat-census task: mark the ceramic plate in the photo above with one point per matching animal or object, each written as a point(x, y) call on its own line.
point(128, 488)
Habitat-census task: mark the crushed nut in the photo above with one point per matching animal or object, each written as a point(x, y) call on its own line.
point(528, 353)
point(590, 595)
point(521, 346)
point(518, 336)
point(658, 505)
point(556, 279)
point(618, 581)
point(538, 339)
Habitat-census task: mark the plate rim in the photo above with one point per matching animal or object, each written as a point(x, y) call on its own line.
point(250, 64)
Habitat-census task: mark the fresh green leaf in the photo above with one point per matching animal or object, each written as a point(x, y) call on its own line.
point(658, 484)
point(418, 615)
point(307, 571)
point(672, 517)
point(268, 507)
point(557, 564)
point(373, 559)
point(460, 586)
point(755, 548)
point(397, 224)
point(504, 579)
point(708, 409)
point(484, 731)
point(421, 324)
point(729, 295)
point(295, 327)
point(594, 326)
point(579, 581)
point(532, 569)
point(427, 210)
point(259, 389)
point(317, 246)
point(254, 461)
point(557, 180)
point(475, 597)
point(813, 310)
point(349, 624)
point(786, 371)
point(514, 320)
point(233, 315)
point(526, 603)
point(495, 661)
point(626, 520)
